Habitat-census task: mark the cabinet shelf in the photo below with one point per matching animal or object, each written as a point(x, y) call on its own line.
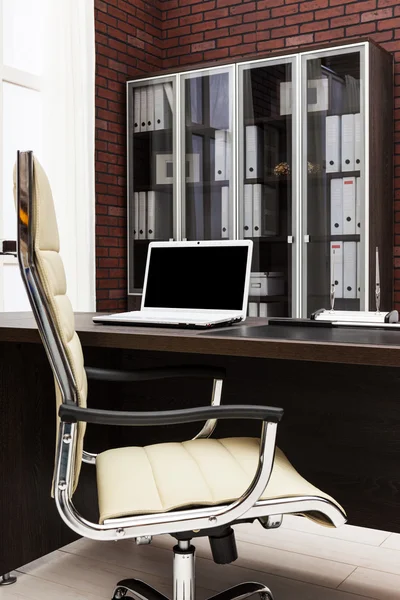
point(335, 238)
point(152, 132)
point(273, 239)
point(268, 299)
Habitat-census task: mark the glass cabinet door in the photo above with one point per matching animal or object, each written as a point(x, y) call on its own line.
point(207, 101)
point(333, 180)
point(266, 171)
point(151, 170)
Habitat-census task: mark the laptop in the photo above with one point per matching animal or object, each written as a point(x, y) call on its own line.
point(192, 284)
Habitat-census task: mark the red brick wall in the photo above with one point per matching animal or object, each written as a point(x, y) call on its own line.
point(128, 42)
point(192, 31)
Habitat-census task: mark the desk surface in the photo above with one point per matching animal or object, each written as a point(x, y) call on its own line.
point(255, 338)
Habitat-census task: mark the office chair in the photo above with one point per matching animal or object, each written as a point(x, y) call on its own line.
point(200, 487)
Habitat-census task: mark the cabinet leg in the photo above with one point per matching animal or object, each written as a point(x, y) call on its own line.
point(7, 579)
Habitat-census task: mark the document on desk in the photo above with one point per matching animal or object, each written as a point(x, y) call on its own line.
point(348, 143)
point(248, 210)
point(350, 269)
point(337, 268)
point(336, 206)
point(332, 143)
point(349, 205)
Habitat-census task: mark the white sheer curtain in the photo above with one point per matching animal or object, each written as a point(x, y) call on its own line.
point(68, 141)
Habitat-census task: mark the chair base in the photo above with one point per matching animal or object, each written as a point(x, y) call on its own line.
point(183, 583)
point(138, 590)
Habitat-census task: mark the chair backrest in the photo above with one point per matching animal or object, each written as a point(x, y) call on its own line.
point(42, 271)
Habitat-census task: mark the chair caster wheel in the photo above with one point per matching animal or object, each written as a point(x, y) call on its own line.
point(119, 593)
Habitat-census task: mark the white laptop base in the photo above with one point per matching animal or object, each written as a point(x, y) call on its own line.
point(192, 284)
point(179, 318)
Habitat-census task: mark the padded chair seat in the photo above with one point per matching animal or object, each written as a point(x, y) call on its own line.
point(163, 477)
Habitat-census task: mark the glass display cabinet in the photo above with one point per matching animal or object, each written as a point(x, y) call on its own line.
point(292, 151)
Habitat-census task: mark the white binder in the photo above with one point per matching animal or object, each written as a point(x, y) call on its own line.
point(248, 210)
point(225, 212)
point(336, 206)
point(350, 269)
point(337, 268)
point(332, 143)
point(228, 155)
point(270, 207)
point(257, 208)
point(358, 283)
point(285, 98)
point(348, 143)
point(151, 215)
point(359, 198)
point(253, 309)
point(143, 109)
point(253, 152)
point(220, 155)
point(150, 108)
point(159, 107)
point(358, 145)
point(142, 215)
point(169, 94)
point(349, 205)
point(136, 216)
point(136, 112)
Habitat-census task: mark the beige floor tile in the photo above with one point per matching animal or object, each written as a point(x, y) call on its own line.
point(33, 588)
point(337, 550)
point(97, 577)
point(393, 541)
point(383, 586)
point(362, 535)
point(277, 562)
point(208, 574)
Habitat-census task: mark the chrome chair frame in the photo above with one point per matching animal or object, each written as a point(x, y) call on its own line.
point(141, 527)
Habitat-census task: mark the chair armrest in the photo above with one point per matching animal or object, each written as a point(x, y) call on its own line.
point(70, 413)
point(100, 374)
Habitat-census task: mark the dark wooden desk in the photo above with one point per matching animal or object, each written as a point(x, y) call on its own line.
point(339, 388)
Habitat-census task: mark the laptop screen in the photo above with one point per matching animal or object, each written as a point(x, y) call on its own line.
point(197, 277)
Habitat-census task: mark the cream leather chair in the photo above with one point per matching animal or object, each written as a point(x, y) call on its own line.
point(199, 487)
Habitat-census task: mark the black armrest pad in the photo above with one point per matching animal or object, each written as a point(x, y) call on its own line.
point(158, 373)
point(71, 413)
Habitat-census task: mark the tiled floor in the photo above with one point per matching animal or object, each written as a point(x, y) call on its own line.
point(299, 561)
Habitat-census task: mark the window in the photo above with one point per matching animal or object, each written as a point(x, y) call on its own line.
point(20, 121)
point(47, 69)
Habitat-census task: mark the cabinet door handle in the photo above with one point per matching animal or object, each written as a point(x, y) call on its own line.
point(290, 239)
point(306, 239)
